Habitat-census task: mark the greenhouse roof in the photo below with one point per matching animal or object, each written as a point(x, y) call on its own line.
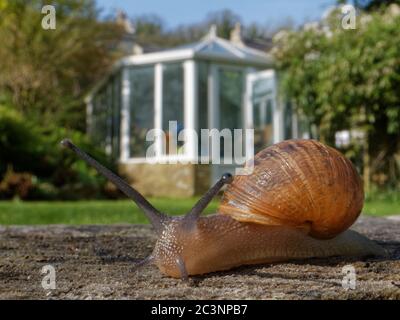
point(211, 47)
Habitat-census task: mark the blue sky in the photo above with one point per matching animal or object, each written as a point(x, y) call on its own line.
point(266, 12)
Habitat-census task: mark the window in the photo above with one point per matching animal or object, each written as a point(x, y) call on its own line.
point(115, 96)
point(141, 109)
point(105, 129)
point(287, 118)
point(172, 106)
point(203, 69)
point(263, 102)
point(203, 94)
point(98, 130)
point(262, 120)
point(230, 106)
point(230, 99)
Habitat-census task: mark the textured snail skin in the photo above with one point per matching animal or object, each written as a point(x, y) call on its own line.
point(221, 243)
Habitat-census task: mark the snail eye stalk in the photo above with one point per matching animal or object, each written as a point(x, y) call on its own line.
point(156, 217)
point(199, 207)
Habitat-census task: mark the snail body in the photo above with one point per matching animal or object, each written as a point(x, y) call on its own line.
point(222, 243)
point(298, 203)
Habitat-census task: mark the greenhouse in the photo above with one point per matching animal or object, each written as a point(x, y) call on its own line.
point(211, 84)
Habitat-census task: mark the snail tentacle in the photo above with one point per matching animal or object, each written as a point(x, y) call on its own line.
point(157, 219)
point(193, 215)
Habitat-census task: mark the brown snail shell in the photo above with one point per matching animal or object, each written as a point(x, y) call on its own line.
point(299, 183)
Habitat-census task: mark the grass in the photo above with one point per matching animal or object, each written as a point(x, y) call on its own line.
point(382, 203)
point(381, 208)
point(125, 211)
point(89, 212)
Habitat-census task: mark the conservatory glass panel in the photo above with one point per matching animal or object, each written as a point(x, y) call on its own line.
point(141, 109)
point(263, 105)
point(98, 129)
point(172, 106)
point(115, 114)
point(287, 119)
point(263, 123)
point(304, 131)
point(203, 69)
point(230, 102)
point(106, 116)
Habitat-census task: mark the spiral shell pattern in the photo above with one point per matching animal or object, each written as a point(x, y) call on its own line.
point(299, 183)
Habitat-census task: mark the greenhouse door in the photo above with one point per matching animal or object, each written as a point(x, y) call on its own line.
point(262, 109)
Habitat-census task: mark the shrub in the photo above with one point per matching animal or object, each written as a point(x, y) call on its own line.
point(19, 141)
point(33, 165)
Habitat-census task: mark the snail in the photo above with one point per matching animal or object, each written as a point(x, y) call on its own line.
point(298, 203)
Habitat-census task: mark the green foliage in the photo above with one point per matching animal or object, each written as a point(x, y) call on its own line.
point(349, 79)
point(19, 142)
point(73, 178)
point(151, 31)
point(225, 21)
point(44, 77)
point(46, 73)
point(33, 164)
point(371, 5)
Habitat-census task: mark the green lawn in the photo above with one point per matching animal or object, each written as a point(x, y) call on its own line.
point(382, 208)
point(123, 211)
point(89, 212)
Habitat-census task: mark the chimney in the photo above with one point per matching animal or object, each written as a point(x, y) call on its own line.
point(123, 21)
point(236, 35)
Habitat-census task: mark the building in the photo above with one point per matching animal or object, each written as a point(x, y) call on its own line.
point(213, 83)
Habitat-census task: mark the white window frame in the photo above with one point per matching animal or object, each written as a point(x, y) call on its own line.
point(190, 110)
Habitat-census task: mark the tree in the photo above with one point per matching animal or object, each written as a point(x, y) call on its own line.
point(371, 5)
point(349, 80)
point(225, 21)
point(150, 30)
point(46, 73)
